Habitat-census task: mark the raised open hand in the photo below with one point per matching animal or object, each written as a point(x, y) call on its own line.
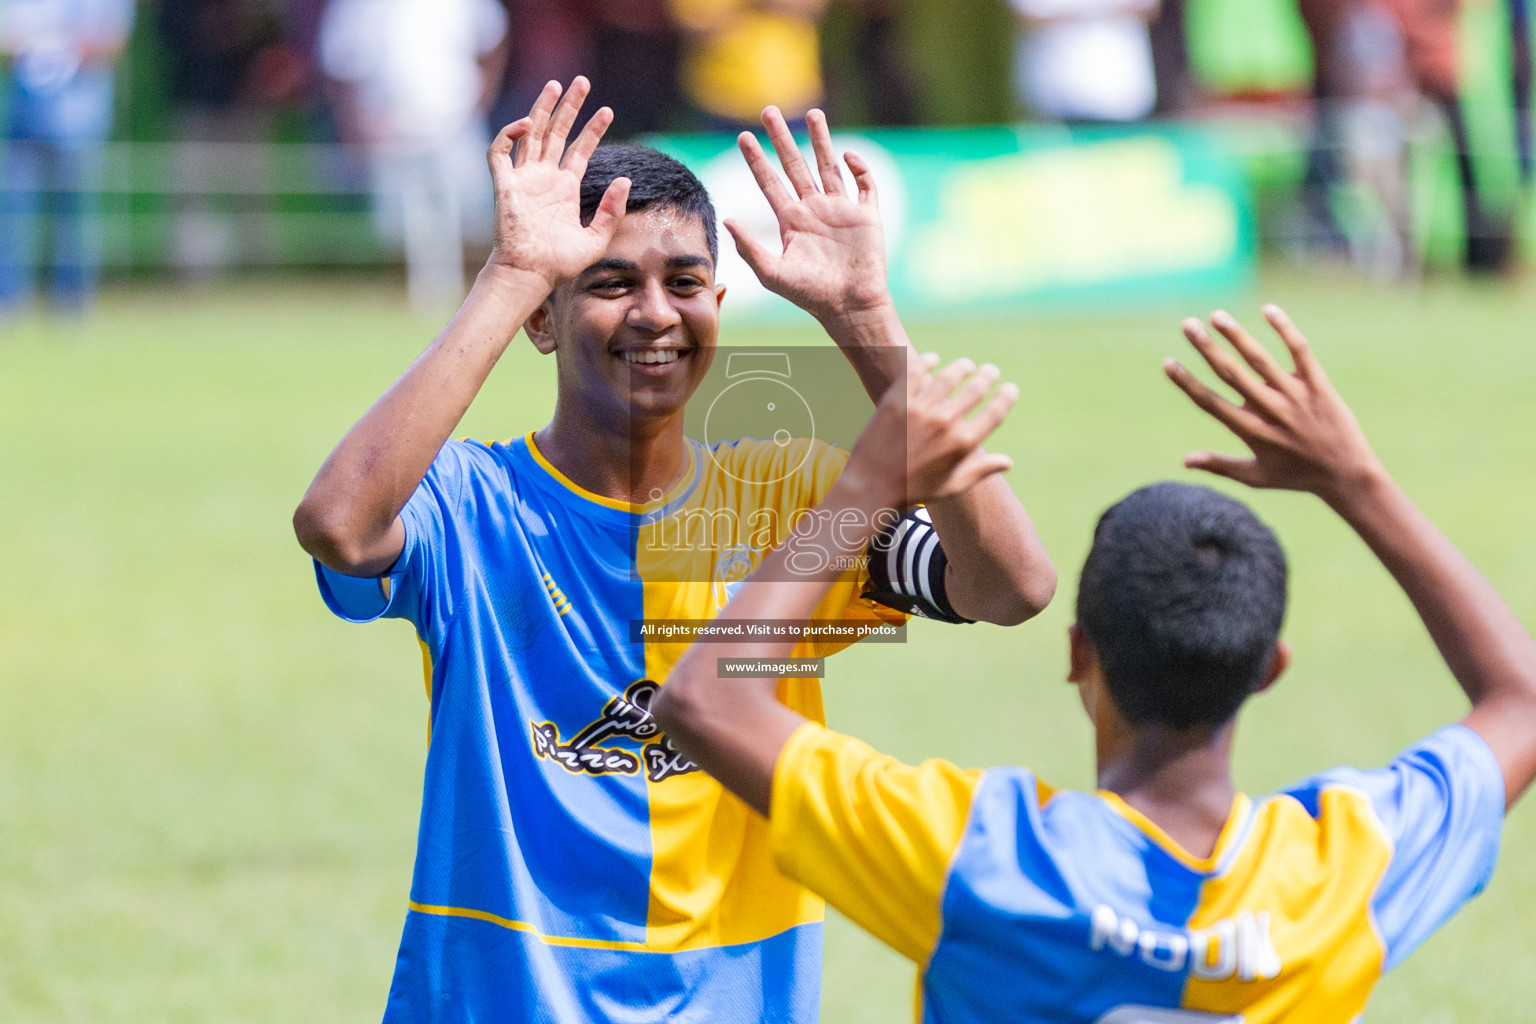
point(1302, 435)
point(537, 180)
point(832, 258)
point(924, 441)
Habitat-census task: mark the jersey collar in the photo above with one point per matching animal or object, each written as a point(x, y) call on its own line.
point(1233, 833)
point(665, 505)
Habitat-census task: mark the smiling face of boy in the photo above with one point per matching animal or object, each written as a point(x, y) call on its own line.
point(634, 333)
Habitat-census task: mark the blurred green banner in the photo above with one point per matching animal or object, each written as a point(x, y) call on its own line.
point(988, 221)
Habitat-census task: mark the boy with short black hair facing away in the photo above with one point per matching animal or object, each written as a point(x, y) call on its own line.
point(1167, 896)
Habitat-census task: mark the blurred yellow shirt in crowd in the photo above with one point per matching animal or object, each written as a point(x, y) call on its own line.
point(744, 56)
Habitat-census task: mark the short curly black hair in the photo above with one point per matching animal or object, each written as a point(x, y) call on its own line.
point(1183, 595)
point(655, 179)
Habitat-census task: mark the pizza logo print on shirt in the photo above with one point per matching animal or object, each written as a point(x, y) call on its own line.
point(624, 717)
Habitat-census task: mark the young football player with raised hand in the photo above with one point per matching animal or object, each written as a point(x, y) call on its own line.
point(1166, 896)
point(571, 865)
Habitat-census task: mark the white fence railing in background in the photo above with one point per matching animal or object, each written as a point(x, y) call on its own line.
point(211, 205)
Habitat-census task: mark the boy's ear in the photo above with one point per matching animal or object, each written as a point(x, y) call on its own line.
point(719, 294)
point(1277, 666)
point(1083, 656)
point(539, 324)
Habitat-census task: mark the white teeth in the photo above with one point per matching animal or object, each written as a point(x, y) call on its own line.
point(666, 355)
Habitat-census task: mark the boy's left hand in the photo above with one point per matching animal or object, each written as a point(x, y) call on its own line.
point(1302, 435)
point(924, 442)
point(833, 258)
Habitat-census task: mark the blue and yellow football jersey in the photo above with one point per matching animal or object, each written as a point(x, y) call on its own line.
point(572, 865)
point(1025, 905)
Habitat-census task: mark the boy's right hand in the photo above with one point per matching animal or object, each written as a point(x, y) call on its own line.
point(537, 227)
point(1302, 435)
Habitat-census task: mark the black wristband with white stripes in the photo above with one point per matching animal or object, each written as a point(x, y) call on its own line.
point(906, 569)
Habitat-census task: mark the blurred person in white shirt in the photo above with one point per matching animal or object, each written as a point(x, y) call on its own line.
point(57, 60)
point(1085, 60)
point(411, 81)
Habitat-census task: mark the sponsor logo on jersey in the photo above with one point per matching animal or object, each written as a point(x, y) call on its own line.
point(732, 569)
point(627, 716)
point(1234, 947)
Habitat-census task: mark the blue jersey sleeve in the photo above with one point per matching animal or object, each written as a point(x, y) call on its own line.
point(426, 581)
point(1441, 805)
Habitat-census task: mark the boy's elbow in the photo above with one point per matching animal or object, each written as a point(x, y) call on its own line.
point(672, 705)
point(310, 528)
point(325, 537)
point(682, 706)
point(1018, 599)
point(1035, 592)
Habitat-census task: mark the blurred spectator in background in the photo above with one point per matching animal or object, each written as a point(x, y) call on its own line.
point(227, 66)
point(412, 81)
point(1176, 89)
point(1085, 60)
point(550, 40)
point(58, 58)
point(1354, 43)
point(628, 49)
point(742, 55)
point(636, 50)
point(1371, 97)
point(869, 77)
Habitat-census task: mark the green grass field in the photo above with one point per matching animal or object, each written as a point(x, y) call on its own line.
point(209, 786)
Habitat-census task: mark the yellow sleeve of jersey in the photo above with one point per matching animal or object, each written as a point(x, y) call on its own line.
point(870, 835)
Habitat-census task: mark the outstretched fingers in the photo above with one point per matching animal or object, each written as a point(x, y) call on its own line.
point(919, 375)
point(863, 177)
point(1253, 353)
point(758, 257)
point(920, 371)
point(1244, 471)
point(1240, 421)
point(503, 146)
point(564, 118)
point(1255, 393)
point(972, 390)
point(532, 147)
point(992, 415)
point(795, 167)
point(826, 159)
point(943, 383)
point(1307, 366)
point(586, 142)
point(972, 470)
point(762, 171)
point(606, 219)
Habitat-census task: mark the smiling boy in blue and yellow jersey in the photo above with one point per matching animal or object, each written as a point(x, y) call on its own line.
point(564, 841)
point(572, 865)
point(1166, 896)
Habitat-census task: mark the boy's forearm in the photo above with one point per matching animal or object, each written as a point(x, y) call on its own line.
point(735, 727)
point(998, 568)
point(875, 343)
point(347, 516)
point(998, 571)
point(778, 592)
point(1486, 647)
point(1484, 644)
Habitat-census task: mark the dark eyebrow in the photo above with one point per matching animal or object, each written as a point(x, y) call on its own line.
point(612, 263)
